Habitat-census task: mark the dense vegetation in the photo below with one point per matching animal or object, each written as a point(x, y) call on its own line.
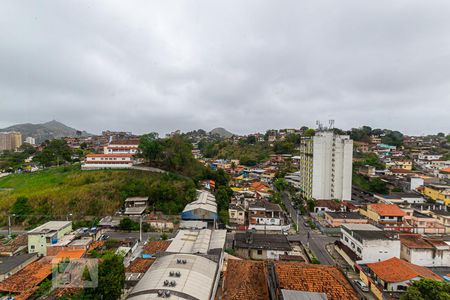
point(59, 191)
point(10, 160)
point(171, 154)
point(427, 289)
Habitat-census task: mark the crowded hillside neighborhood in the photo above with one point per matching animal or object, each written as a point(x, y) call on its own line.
point(298, 213)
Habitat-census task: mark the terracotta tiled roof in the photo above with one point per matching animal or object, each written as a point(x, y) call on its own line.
point(258, 186)
point(139, 265)
point(390, 210)
point(246, 279)
point(154, 246)
point(27, 278)
point(314, 278)
point(398, 270)
point(414, 241)
point(331, 204)
point(70, 254)
point(446, 170)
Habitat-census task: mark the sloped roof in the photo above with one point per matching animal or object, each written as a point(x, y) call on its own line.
point(398, 270)
point(390, 210)
point(246, 279)
point(314, 278)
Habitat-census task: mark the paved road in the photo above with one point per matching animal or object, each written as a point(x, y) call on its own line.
point(312, 238)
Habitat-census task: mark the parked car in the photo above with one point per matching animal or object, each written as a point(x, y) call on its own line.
point(104, 237)
point(362, 286)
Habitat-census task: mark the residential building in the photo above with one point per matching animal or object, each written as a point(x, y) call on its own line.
point(9, 265)
point(322, 206)
point(440, 193)
point(425, 252)
point(429, 156)
point(135, 205)
point(361, 147)
point(442, 217)
point(30, 140)
point(245, 279)
point(10, 140)
point(129, 146)
point(326, 166)
point(47, 234)
point(251, 245)
point(367, 170)
point(401, 198)
point(306, 281)
point(423, 223)
point(400, 164)
point(393, 276)
point(336, 219)
point(267, 216)
point(107, 161)
point(237, 214)
point(385, 214)
point(367, 243)
point(444, 173)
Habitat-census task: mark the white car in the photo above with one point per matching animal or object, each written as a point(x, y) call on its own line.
point(361, 285)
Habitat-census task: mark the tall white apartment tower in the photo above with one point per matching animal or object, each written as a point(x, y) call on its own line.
point(326, 166)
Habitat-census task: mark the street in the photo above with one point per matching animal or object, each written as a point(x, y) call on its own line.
point(312, 238)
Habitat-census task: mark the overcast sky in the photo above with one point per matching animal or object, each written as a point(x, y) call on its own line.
point(244, 65)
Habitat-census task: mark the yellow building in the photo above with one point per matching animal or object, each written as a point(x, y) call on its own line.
point(438, 192)
point(400, 164)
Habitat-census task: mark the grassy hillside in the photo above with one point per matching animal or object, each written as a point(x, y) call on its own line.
point(60, 191)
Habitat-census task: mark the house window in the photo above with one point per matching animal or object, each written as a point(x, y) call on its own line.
point(259, 252)
point(358, 249)
point(346, 239)
point(32, 247)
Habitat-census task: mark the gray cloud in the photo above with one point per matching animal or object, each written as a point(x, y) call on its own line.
point(159, 66)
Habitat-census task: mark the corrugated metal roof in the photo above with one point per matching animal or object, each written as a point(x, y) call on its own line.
point(197, 241)
point(205, 200)
point(195, 281)
point(300, 295)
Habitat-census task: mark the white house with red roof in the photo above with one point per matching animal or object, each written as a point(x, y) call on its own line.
point(122, 147)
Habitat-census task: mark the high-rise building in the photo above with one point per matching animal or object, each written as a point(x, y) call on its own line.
point(30, 140)
point(10, 140)
point(326, 166)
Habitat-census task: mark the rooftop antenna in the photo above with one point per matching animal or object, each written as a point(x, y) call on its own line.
point(319, 125)
point(331, 123)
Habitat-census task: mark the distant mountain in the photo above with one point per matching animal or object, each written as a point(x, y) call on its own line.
point(222, 132)
point(45, 131)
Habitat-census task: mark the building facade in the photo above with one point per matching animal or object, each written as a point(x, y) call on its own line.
point(326, 166)
point(10, 140)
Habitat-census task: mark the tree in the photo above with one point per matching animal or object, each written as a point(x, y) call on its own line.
point(310, 132)
point(21, 208)
point(111, 279)
point(150, 147)
point(280, 184)
point(55, 152)
point(126, 224)
point(251, 139)
point(427, 289)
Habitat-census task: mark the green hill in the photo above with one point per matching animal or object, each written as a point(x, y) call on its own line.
point(58, 192)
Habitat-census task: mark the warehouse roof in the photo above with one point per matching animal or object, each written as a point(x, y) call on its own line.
point(197, 241)
point(183, 276)
point(205, 200)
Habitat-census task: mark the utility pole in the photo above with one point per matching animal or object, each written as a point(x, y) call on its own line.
point(9, 226)
point(140, 228)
